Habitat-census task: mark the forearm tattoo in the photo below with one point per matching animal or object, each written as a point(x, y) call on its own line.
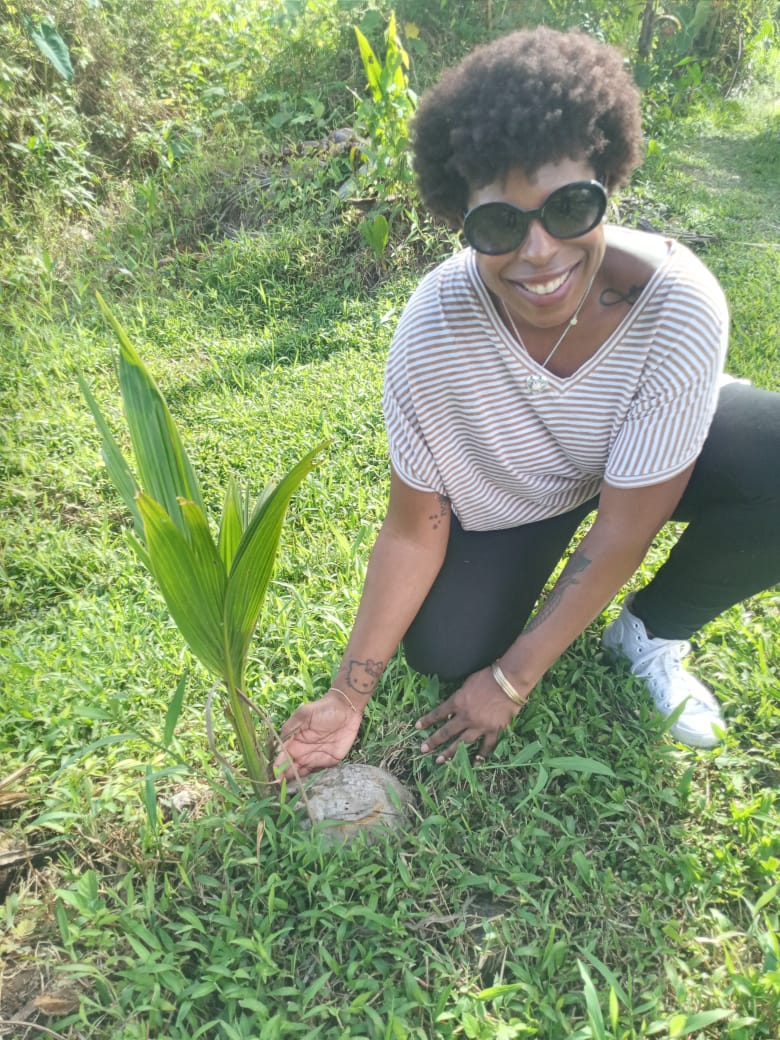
point(576, 565)
point(362, 676)
point(437, 516)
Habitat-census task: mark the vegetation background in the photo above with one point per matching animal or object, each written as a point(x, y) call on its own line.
point(221, 172)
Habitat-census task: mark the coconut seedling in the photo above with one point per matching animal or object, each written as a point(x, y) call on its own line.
point(213, 587)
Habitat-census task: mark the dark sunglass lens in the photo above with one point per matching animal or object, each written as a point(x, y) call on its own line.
point(495, 228)
point(574, 210)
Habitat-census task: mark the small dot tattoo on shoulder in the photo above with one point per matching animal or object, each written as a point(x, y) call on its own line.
point(444, 508)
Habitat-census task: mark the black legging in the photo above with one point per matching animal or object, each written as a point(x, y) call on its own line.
point(490, 580)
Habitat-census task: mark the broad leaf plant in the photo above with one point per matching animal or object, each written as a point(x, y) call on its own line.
point(214, 588)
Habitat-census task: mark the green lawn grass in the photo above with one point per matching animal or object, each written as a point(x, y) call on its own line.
point(591, 880)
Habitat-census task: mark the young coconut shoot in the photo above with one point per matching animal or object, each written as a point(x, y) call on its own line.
point(214, 589)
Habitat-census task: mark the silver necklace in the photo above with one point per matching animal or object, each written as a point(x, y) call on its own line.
point(537, 384)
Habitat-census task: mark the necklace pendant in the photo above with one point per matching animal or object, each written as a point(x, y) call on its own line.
point(536, 384)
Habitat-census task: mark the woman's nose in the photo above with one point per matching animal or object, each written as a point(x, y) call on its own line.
point(538, 245)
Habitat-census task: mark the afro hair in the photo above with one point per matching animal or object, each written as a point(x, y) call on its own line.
point(533, 97)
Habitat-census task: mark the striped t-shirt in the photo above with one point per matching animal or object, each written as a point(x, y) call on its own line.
point(460, 420)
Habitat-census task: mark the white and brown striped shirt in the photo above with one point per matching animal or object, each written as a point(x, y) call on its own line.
point(460, 420)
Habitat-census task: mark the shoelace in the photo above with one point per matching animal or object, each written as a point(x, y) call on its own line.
point(667, 658)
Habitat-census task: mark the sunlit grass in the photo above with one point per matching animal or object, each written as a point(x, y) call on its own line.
point(588, 837)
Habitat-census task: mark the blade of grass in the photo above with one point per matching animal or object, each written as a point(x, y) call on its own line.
point(595, 1016)
point(174, 710)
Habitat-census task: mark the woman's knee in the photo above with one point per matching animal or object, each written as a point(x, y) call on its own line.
point(452, 659)
point(740, 460)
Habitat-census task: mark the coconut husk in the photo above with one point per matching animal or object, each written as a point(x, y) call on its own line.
point(353, 799)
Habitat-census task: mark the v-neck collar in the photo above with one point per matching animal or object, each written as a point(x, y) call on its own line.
point(495, 325)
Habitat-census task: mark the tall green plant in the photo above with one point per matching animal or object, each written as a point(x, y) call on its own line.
point(385, 115)
point(214, 589)
point(51, 45)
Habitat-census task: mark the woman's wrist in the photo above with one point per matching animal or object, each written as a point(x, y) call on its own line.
point(507, 686)
point(354, 702)
point(357, 678)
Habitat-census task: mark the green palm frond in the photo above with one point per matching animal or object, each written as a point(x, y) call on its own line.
point(253, 561)
point(234, 520)
point(214, 589)
point(164, 469)
point(189, 581)
point(116, 464)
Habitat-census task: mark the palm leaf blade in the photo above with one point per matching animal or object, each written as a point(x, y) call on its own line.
point(164, 468)
point(189, 580)
point(232, 525)
point(162, 462)
point(116, 464)
point(253, 563)
point(206, 555)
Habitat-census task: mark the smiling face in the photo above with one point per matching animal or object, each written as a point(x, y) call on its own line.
point(543, 280)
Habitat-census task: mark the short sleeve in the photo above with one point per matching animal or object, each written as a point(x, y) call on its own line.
point(410, 455)
point(669, 417)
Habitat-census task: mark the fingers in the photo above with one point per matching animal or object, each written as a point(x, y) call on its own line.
point(305, 751)
point(455, 731)
point(289, 766)
point(284, 766)
point(468, 737)
point(284, 759)
point(488, 745)
point(290, 763)
point(290, 774)
point(451, 729)
point(441, 713)
point(452, 735)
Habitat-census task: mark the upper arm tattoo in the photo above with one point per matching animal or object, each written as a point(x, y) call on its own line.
point(578, 563)
point(437, 516)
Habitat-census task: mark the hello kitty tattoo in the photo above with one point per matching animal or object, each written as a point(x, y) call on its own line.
point(362, 676)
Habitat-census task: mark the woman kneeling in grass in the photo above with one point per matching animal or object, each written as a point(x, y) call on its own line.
point(557, 366)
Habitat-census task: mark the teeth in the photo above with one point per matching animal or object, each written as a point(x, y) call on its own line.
point(543, 288)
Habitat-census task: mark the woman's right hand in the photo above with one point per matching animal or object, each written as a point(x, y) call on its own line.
point(318, 734)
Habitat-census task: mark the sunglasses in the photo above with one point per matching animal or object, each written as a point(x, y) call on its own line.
point(570, 211)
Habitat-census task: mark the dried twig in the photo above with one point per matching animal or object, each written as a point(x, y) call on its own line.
point(29, 1025)
point(17, 775)
point(9, 798)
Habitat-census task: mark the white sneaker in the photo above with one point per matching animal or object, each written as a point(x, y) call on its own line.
point(659, 663)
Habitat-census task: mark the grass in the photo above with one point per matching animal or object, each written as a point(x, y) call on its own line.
point(591, 880)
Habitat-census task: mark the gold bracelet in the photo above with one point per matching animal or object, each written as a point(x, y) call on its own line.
point(335, 689)
point(506, 685)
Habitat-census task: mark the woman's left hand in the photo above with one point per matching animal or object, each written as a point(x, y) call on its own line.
point(479, 710)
